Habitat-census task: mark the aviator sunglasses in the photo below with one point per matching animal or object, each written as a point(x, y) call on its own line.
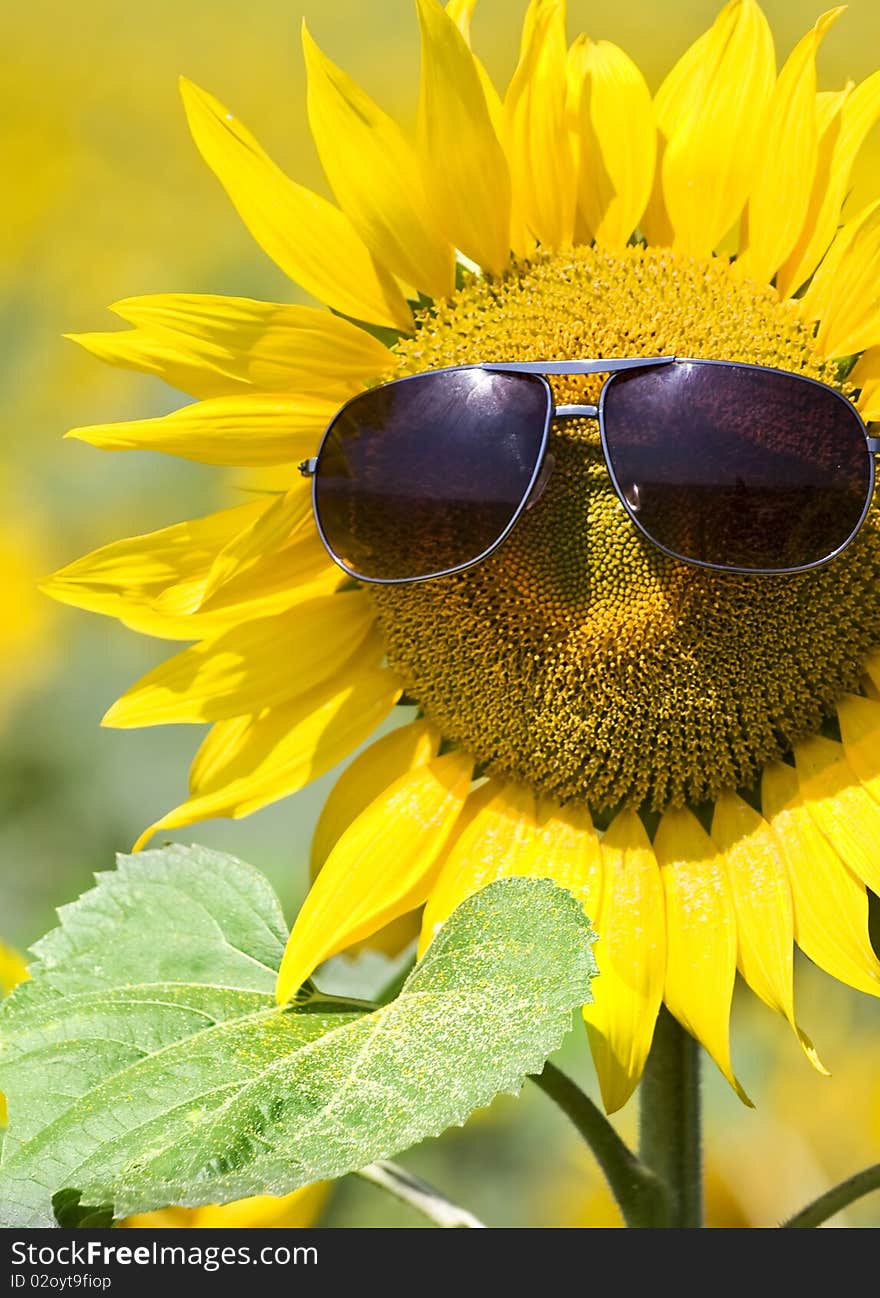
point(726, 465)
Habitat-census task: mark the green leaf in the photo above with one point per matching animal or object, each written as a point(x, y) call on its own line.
point(146, 1062)
point(71, 1214)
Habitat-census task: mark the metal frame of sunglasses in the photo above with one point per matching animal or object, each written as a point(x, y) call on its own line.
point(612, 367)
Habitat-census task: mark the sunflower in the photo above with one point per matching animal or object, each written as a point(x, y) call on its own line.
point(695, 755)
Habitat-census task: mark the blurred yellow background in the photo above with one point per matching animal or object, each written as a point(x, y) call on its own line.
point(104, 198)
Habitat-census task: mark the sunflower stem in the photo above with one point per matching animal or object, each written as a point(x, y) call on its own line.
point(669, 1120)
point(640, 1196)
point(838, 1197)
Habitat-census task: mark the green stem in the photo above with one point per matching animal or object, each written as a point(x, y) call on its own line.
point(669, 1119)
point(840, 1196)
point(640, 1195)
point(419, 1195)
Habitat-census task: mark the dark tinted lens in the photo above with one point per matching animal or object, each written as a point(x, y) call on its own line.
point(426, 473)
point(737, 467)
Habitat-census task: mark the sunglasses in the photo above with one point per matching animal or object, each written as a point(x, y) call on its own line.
point(734, 467)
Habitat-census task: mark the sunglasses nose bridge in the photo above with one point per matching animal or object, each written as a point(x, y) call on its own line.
point(576, 412)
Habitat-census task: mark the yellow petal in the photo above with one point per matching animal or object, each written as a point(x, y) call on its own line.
point(845, 812)
point(618, 140)
point(565, 848)
point(464, 170)
point(269, 584)
point(631, 954)
point(872, 672)
point(381, 867)
point(216, 755)
point(830, 904)
point(310, 239)
point(294, 1211)
point(365, 778)
point(537, 128)
point(374, 173)
point(490, 847)
point(786, 162)
point(462, 15)
point(502, 834)
point(153, 582)
point(297, 573)
point(284, 519)
point(225, 753)
point(576, 65)
point(212, 346)
point(845, 291)
point(866, 376)
point(818, 297)
point(139, 568)
point(763, 904)
point(368, 775)
point(701, 936)
point(519, 239)
point(300, 1209)
point(461, 12)
point(671, 105)
point(271, 756)
point(176, 363)
point(13, 969)
point(860, 731)
point(838, 148)
point(260, 664)
point(248, 430)
point(829, 118)
point(711, 110)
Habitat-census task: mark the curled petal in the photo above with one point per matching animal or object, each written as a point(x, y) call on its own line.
point(465, 172)
point(710, 113)
point(786, 162)
point(211, 346)
point(846, 128)
point(381, 867)
point(844, 294)
point(261, 664)
point(250, 762)
point(374, 173)
point(618, 143)
point(310, 239)
point(866, 376)
point(537, 127)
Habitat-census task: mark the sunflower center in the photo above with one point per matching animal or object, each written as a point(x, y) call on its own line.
point(578, 658)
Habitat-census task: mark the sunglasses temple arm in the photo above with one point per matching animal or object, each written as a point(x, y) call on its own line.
point(874, 445)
